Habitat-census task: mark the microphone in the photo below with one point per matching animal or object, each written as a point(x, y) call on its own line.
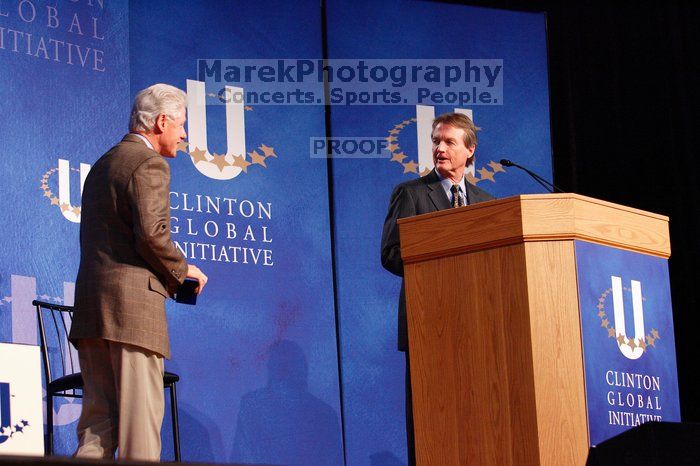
point(546, 184)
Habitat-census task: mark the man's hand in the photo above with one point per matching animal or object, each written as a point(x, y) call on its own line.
point(194, 272)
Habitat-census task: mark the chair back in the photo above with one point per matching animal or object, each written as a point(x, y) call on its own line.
point(59, 356)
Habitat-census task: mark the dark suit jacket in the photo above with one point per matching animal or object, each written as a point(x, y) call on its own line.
point(415, 197)
point(128, 263)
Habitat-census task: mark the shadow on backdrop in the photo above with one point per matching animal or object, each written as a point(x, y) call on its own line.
point(385, 458)
point(199, 437)
point(282, 422)
point(193, 425)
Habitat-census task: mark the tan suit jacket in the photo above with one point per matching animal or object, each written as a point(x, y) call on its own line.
point(128, 263)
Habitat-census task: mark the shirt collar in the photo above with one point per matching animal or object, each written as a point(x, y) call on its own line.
point(447, 184)
point(144, 139)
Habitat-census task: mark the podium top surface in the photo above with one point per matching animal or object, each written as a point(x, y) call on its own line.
point(533, 217)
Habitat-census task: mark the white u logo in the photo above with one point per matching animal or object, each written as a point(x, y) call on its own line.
point(197, 129)
point(68, 211)
point(630, 351)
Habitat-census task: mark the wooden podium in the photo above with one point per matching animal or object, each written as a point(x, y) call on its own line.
point(493, 319)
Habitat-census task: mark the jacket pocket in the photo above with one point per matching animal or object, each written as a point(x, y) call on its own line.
point(155, 285)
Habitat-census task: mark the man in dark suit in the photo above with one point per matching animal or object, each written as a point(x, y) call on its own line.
point(454, 143)
point(128, 267)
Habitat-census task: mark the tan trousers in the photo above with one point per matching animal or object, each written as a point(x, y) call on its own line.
point(122, 401)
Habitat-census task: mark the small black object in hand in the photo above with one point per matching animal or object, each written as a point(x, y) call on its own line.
point(185, 293)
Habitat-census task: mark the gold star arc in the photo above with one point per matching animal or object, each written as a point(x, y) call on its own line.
point(257, 159)
point(55, 201)
point(199, 155)
point(398, 157)
point(612, 331)
point(410, 167)
point(220, 162)
point(268, 151)
point(496, 167)
point(240, 162)
point(486, 175)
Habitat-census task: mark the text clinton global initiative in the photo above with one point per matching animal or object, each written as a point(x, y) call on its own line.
point(221, 229)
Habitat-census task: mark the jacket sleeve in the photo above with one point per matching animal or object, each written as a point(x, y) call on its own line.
point(149, 197)
point(401, 205)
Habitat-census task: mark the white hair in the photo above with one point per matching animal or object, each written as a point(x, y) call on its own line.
point(151, 102)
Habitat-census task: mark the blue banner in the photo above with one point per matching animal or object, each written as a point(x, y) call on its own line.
point(628, 344)
point(398, 35)
point(258, 353)
point(251, 206)
point(65, 94)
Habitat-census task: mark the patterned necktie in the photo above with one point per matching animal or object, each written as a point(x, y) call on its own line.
point(456, 198)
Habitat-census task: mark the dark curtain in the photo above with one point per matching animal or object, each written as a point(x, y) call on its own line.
point(624, 106)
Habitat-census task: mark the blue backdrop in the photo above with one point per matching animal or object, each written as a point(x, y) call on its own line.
point(259, 349)
point(258, 355)
point(65, 96)
point(517, 128)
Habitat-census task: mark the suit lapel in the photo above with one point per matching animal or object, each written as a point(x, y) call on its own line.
point(476, 195)
point(435, 192)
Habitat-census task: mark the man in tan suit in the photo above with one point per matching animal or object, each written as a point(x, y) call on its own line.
point(128, 267)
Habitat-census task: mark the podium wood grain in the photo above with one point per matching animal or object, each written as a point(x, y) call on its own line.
point(534, 217)
point(494, 330)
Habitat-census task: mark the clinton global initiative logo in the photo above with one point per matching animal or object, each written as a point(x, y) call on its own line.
point(8, 428)
point(630, 347)
point(420, 161)
point(56, 184)
point(237, 159)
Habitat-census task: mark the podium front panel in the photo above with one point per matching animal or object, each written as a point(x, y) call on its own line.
point(628, 342)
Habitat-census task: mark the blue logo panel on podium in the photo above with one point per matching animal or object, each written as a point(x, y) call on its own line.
point(628, 343)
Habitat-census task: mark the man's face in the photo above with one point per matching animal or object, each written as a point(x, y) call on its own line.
point(172, 132)
point(450, 154)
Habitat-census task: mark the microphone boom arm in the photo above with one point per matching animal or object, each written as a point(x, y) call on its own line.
point(546, 184)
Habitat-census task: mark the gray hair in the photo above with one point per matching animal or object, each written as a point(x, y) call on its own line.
point(151, 102)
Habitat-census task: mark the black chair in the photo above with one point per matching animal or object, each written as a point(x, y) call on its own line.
point(61, 367)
